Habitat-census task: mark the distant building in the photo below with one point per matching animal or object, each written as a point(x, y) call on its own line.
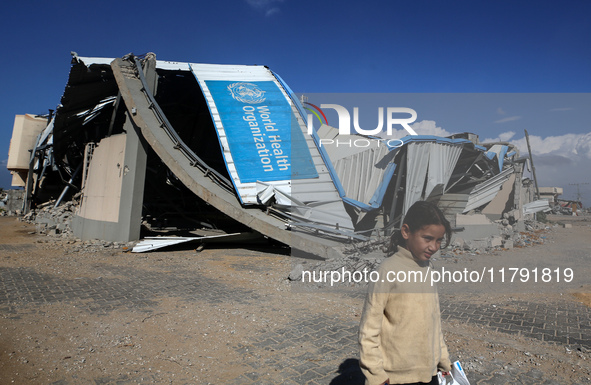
point(551, 194)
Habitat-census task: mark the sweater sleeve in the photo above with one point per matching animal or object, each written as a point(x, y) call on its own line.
point(371, 360)
point(444, 361)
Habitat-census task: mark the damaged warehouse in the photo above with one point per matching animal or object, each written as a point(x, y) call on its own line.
point(223, 151)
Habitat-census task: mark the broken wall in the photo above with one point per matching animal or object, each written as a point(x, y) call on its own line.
point(502, 202)
point(111, 207)
point(24, 135)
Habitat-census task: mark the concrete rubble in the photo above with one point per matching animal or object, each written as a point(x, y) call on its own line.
point(55, 223)
point(11, 202)
point(52, 221)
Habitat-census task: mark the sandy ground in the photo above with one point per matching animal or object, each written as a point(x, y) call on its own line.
point(195, 336)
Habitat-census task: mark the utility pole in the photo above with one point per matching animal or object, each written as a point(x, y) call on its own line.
point(532, 165)
point(578, 190)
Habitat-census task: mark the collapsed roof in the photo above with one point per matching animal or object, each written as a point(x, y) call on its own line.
point(234, 138)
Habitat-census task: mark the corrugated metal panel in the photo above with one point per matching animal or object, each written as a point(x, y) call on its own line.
point(536, 206)
point(360, 174)
point(153, 243)
point(487, 190)
point(416, 171)
point(442, 161)
point(498, 150)
point(430, 165)
point(172, 65)
point(88, 61)
point(362, 165)
point(363, 170)
point(452, 204)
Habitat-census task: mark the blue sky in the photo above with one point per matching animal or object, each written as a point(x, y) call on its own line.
point(330, 47)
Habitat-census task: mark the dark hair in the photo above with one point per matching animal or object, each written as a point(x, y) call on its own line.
point(421, 213)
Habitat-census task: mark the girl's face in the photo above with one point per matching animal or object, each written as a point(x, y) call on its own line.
point(424, 242)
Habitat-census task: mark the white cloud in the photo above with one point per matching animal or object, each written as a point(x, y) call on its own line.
point(508, 119)
point(568, 145)
point(583, 146)
point(429, 127)
point(504, 137)
point(561, 109)
point(500, 111)
point(269, 7)
point(424, 127)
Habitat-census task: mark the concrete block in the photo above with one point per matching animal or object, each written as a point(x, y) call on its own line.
point(519, 226)
point(472, 232)
point(474, 219)
point(458, 242)
point(495, 241)
point(15, 200)
point(477, 244)
point(508, 243)
point(568, 226)
point(62, 226)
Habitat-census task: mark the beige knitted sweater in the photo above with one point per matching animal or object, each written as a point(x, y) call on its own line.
point(400, 331)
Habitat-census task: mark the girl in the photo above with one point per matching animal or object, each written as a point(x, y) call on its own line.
point(400, 331)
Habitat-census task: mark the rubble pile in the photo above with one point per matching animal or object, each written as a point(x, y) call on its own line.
point(52, 220)
point(91, 247)
point(77, 247)
point(511, 236)
point(55, 222)
point(375, 244)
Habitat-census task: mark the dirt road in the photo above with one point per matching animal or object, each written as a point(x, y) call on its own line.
point(78, 313)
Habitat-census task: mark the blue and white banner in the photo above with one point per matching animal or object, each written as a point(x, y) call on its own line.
point(265, 139)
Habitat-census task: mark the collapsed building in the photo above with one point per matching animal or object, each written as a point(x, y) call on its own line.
point(224, 150)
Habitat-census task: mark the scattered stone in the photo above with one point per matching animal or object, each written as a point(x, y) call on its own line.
point(495, 241)
point(296, 273)
point(459, 243)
